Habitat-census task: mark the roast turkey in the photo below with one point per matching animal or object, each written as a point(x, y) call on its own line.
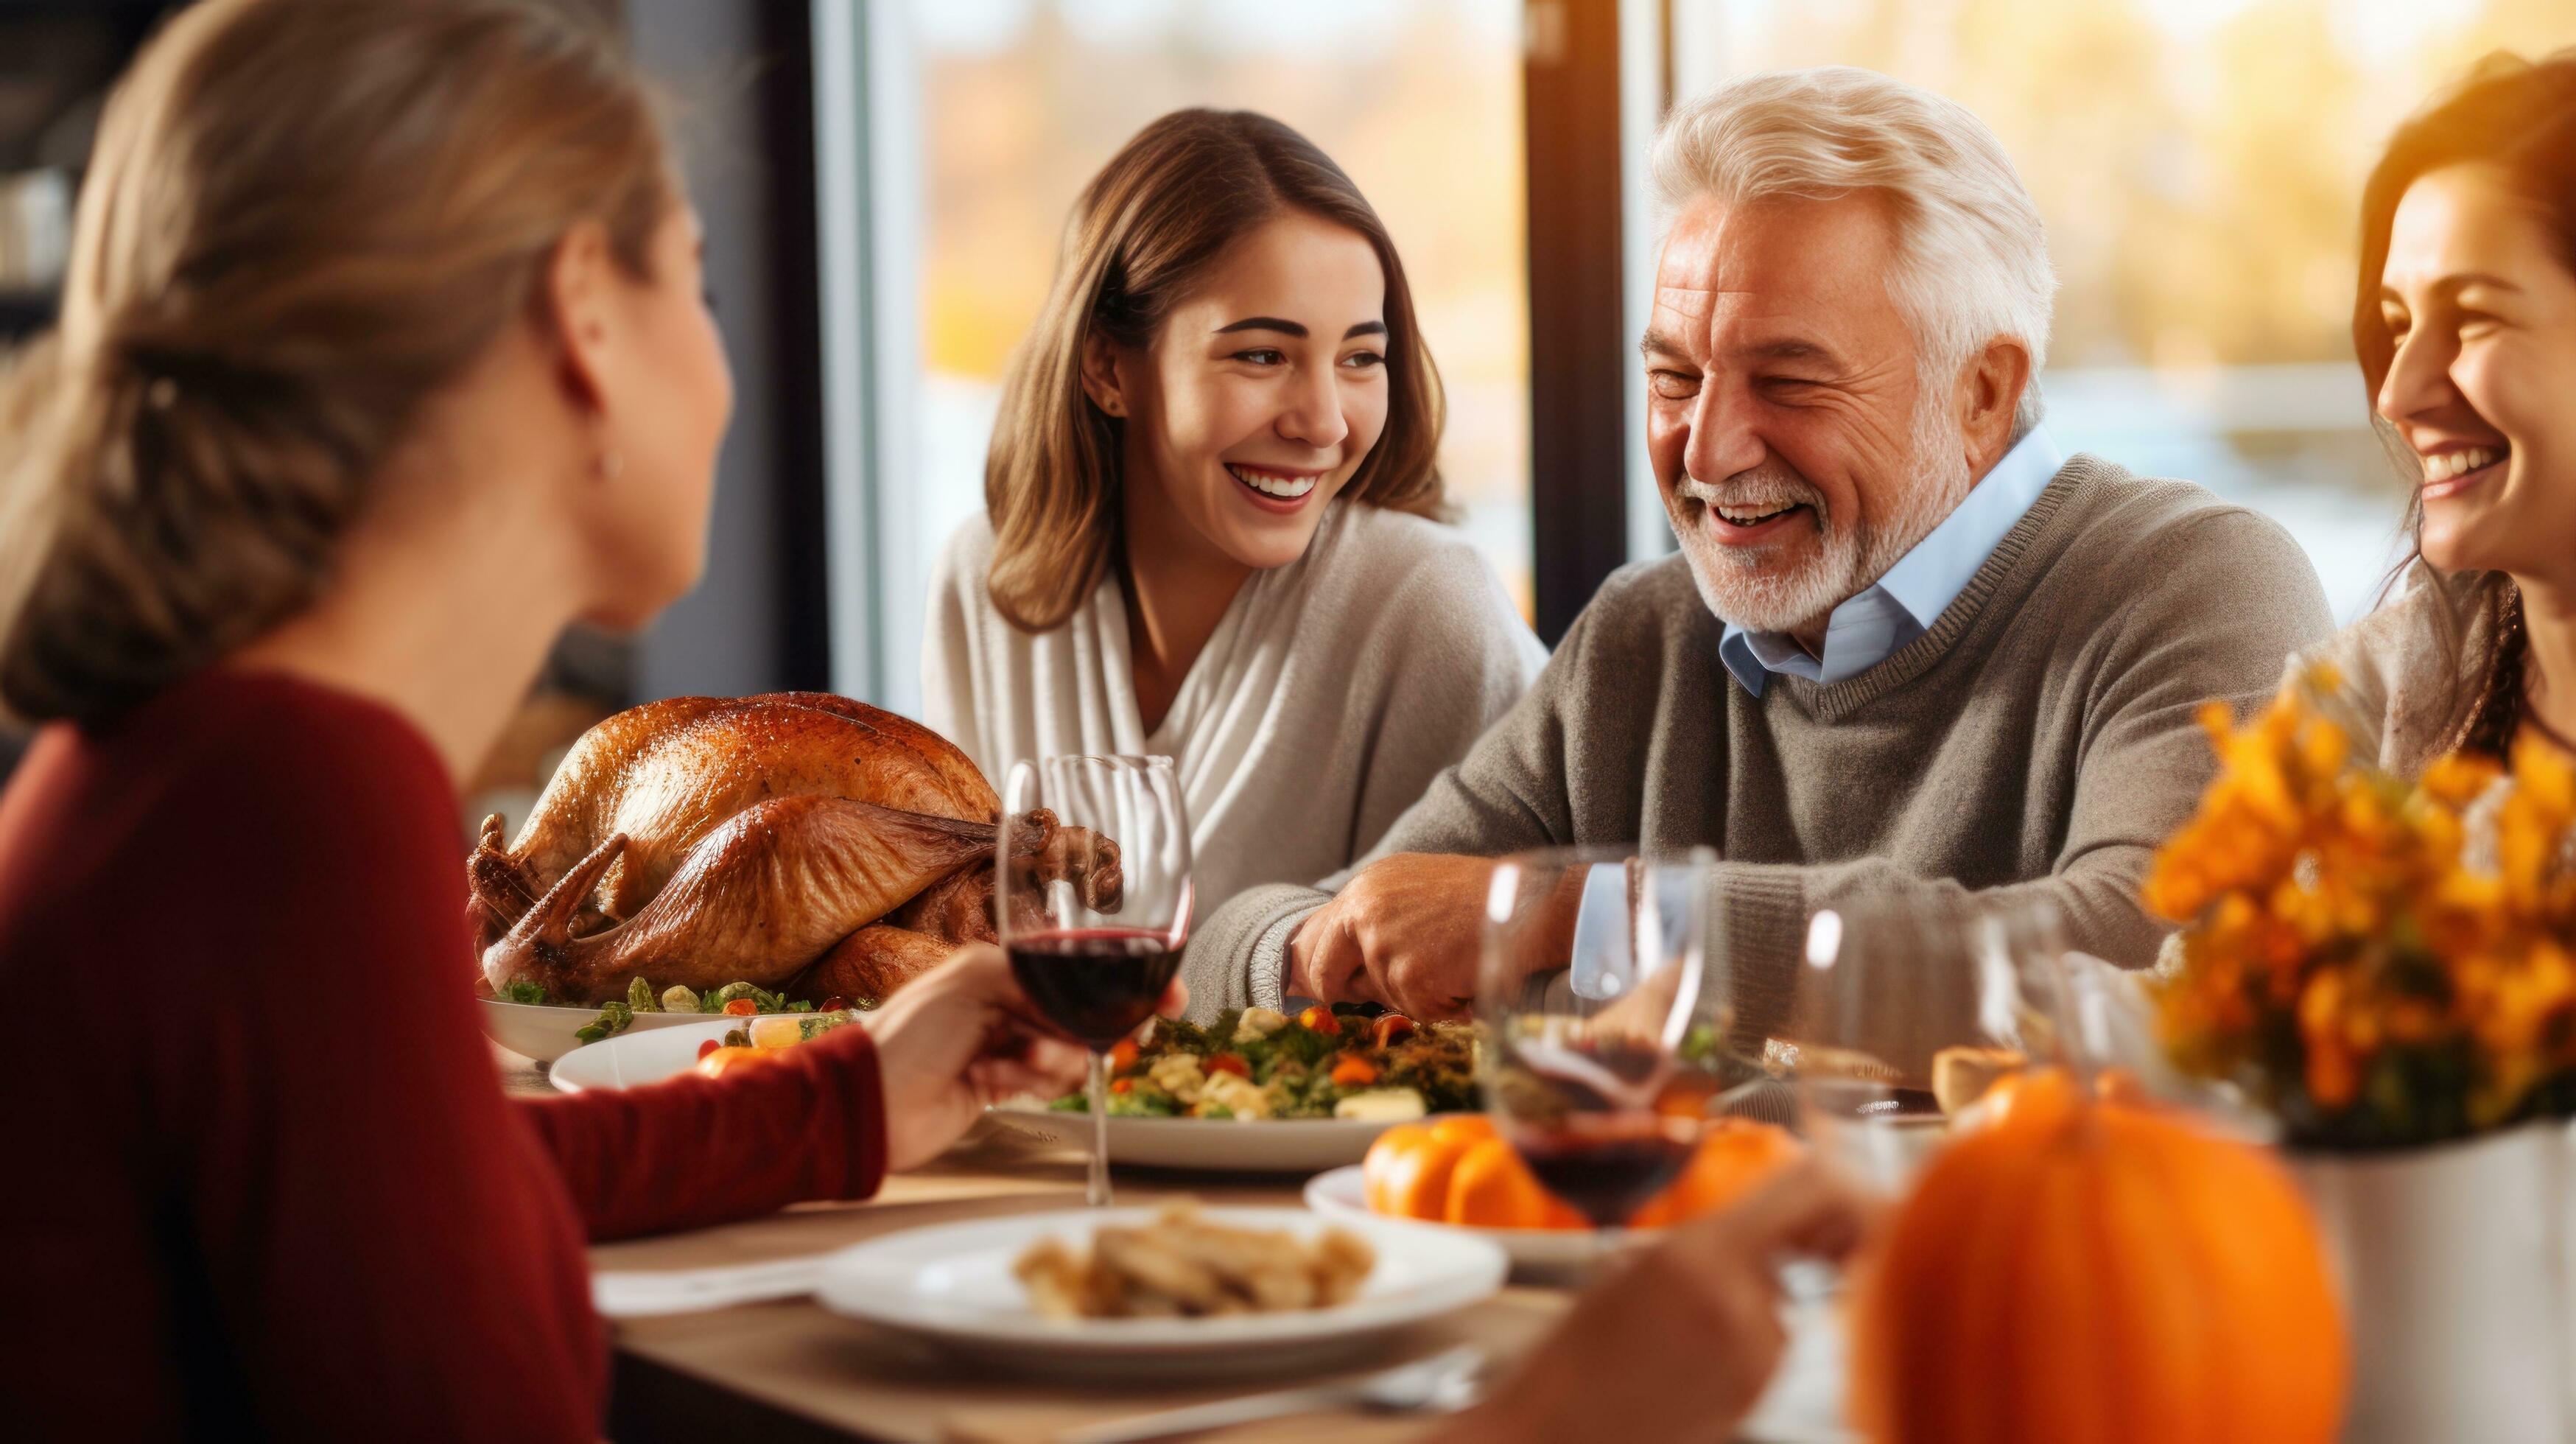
point(797, 840)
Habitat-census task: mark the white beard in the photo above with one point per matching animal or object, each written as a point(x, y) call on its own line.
point(1752, 592)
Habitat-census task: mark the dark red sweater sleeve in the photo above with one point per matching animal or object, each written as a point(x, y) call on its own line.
point(696, 1150)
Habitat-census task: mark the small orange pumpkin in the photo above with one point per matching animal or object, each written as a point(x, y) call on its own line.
point(1462, 1129)
point(2092, 1271)
point(1733, 1156)
point(1406, 1173)
point(1492, 1188)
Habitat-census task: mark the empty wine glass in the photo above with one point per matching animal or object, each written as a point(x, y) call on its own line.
point(1911, 1004)
point(1595, 977)
point(1092, 902)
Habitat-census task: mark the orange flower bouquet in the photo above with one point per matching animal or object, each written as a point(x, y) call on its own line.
point(2379, 965)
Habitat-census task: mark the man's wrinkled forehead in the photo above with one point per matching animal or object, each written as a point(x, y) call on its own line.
point(1771, 259)
point(1686, 303)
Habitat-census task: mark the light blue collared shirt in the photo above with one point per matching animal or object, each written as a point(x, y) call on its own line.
point(1869, 628)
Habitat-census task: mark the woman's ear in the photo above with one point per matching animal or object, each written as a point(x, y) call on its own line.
point(1100, 379)
point(572, 302)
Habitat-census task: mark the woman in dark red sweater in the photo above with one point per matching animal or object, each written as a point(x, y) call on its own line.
point(383, 358)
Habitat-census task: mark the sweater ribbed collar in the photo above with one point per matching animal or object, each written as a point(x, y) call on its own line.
point(1986, 602)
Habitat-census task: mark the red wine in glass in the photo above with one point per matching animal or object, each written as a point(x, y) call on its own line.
point(1097, 984)
point(1607, 1166)
point(1588, 1117)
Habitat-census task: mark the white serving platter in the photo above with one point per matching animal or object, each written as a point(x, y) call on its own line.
point(1207, 1145)
point(544, 1031)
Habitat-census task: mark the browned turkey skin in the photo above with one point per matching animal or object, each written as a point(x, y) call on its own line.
point(795, 840)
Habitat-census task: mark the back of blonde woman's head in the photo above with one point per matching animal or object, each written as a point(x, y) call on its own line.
point(303, 218)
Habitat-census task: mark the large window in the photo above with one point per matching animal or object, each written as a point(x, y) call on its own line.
point(987, 118)
point(2199, 164)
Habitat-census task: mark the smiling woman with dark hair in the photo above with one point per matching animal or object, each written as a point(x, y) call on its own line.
point(1209, 501)
point(2465, 323)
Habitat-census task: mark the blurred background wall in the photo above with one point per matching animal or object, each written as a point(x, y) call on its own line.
point(885, 181)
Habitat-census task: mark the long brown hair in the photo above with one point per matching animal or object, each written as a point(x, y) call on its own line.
point(1144, 232)
point(302, 219)
point(2520, 117)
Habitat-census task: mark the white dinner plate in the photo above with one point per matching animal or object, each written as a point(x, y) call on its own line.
point(1552, 1255)
point(544, 1031)
point(952, 1284)
point(640, 1055)
point(1208, 1145)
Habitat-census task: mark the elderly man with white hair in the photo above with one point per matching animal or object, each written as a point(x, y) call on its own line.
point(1907, 650)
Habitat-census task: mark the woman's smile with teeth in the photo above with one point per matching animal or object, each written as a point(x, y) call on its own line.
point(2445, 465)
point(1282, 485)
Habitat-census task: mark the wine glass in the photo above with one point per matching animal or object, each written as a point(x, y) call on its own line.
point(1595, 975)
point(1911, 1005)
point(1092, 902)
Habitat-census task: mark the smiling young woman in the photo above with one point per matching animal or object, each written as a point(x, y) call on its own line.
point(2465, 324)
point(1210, 503)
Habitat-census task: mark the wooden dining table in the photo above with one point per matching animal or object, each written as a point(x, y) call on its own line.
point(793, 1371)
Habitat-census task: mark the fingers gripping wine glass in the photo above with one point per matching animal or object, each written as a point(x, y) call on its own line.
point(1092, 902)
point(1595, 972)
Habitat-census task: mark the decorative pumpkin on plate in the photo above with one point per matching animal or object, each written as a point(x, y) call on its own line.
point(2090, 1270)
point(1459, 1170)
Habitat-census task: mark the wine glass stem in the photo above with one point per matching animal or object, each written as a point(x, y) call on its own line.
point(1096, 1192)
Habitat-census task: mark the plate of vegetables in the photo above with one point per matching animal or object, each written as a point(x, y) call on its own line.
point(1258, 1091)
point(526, 1021)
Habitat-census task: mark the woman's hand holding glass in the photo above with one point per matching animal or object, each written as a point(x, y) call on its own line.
point(954, 1040)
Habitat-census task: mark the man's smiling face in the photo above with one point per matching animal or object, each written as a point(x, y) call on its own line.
point(1783, 413)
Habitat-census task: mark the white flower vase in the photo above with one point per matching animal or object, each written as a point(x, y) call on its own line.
point(2456, 1269)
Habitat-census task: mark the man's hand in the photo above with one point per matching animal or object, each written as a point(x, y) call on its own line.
point(1406, 933)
